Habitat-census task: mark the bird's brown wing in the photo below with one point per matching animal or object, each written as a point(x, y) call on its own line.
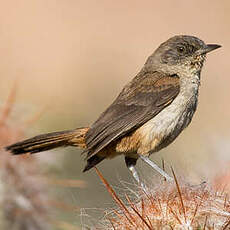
point(142, 99)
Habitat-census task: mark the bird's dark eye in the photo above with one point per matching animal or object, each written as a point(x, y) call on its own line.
point(181, 49)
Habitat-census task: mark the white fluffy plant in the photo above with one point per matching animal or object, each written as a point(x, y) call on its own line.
point(176, 206)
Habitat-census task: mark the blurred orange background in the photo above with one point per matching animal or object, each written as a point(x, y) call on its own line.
point(73, 58)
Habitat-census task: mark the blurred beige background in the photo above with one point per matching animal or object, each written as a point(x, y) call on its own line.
point(74, 57)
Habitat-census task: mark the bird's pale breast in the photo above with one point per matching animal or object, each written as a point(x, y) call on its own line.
point(161, 130)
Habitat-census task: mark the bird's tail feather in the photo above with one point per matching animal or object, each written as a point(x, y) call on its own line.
point(49, 141)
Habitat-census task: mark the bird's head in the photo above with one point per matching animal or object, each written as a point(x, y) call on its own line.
point(181, 54)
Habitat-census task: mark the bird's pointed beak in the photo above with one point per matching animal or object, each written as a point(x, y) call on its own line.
point(208, 48)
point(211, 47)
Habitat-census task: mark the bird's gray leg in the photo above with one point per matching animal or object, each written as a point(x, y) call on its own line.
point(154, 166)
point(130, 163)
point(134, 173)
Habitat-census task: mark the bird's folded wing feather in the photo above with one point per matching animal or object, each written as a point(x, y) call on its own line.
point(142, 99)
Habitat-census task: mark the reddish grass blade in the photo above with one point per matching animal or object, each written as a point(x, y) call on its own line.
point(116, 198)
point(180, 195)
point(9, 103)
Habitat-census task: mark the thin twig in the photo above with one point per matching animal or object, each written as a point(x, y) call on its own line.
point(175, 215)
point(136, 211)
point(226, 225)
point(9, 103)
point(180, 195)
point(115, 197)
point(205, 222)
point(196, 209)
point(163, 167)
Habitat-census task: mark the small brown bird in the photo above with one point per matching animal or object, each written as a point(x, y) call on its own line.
point(148, 114)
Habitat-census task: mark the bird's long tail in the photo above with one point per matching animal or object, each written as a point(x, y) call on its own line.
point(49, 141)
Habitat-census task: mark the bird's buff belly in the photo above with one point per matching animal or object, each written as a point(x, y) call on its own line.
point(148, 137)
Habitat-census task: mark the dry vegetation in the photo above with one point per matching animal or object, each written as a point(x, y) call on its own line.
point(23, 191)
point(169, 206)
point(25, 198)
